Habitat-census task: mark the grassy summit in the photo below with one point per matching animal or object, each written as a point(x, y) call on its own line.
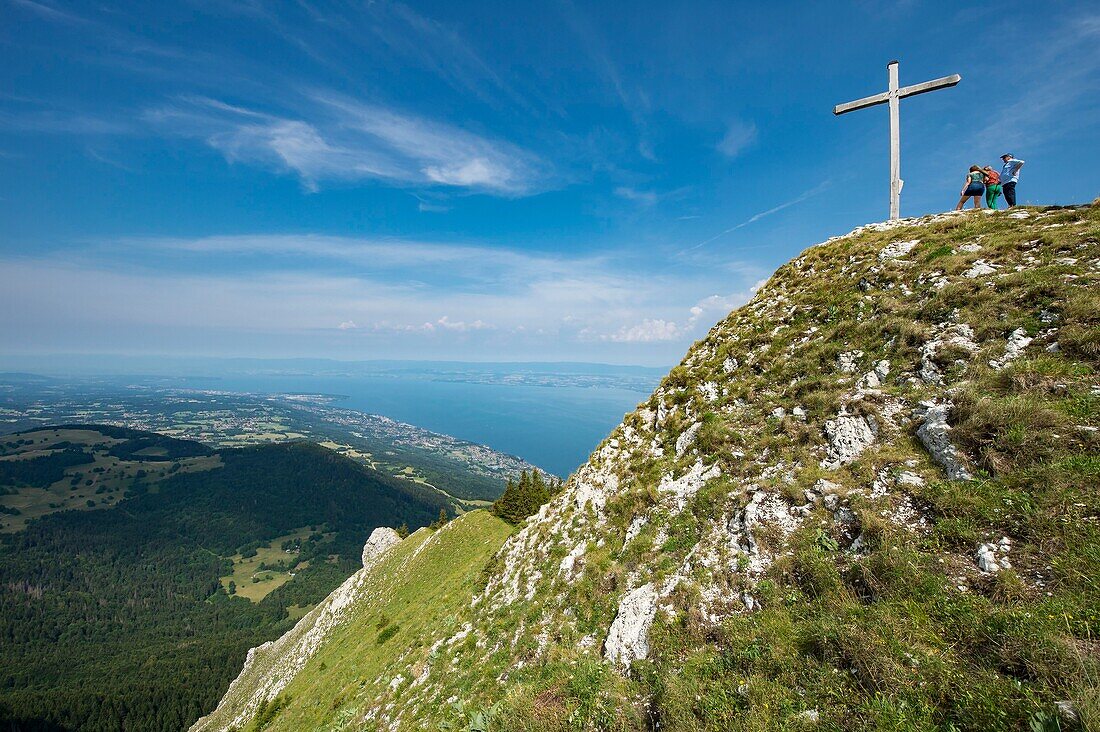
point(868, 499)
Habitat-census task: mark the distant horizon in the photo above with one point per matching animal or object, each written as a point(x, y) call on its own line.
point(38, 363)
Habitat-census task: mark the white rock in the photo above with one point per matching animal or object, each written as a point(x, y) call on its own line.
point(1018, 340)
point(779, 412)
point(636, 525)
point(810, 715)
point(980, 268)
point(876, 377)
point(709, 390)
point(799, 413)
point(897, 249)
point(730, 365)
point(908, 478)
point(570, 559)
point(687, 438)
point(683, 488)
point(628, 637)
point(970, 248)
point(765, 509)
point(848, 436)
point(934, 434)
point(870, 380)
point(848, 362)
point(960, 335)
point(987, 560)
point(380, 540)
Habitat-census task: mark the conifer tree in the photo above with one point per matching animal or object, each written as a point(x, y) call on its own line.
point(522, 499)
point(440, 522)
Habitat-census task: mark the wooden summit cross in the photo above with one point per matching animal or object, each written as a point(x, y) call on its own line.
point(893, 95)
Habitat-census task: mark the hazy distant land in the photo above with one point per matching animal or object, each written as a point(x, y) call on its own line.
point(214, 405)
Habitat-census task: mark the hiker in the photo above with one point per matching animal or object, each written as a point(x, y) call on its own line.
point(972, 187)
point(1010, 175)
point(992, 180)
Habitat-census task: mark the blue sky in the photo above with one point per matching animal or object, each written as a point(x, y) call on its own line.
point(485, 181)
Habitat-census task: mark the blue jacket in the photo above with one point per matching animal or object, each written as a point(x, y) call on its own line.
point(1010, 172)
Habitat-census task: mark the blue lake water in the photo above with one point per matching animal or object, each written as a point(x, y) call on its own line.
point(554, 427)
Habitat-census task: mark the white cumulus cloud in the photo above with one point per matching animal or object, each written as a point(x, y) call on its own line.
point(648, 331)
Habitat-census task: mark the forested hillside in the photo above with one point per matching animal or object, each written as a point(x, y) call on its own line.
point(119, 615)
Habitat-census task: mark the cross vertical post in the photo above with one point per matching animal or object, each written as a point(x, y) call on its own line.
point(895, 142)
point(893, 96)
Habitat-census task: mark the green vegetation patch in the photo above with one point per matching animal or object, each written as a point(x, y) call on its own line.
point(421, 589)
point(259, 570)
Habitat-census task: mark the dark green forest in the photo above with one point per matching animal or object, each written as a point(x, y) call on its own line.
point(41, 471)
point(524, 497)
point(115, 619)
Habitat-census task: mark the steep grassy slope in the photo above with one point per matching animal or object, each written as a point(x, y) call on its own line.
point(868, 499)
point(380, 620)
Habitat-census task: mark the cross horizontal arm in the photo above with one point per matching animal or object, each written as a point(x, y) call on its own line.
point(927, 86)
point(870, 101)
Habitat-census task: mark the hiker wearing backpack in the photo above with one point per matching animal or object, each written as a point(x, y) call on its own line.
point(973, 187)
point(992, 182)
point(1010, 175)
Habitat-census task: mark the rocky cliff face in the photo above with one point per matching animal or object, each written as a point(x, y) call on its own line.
point(867, 498)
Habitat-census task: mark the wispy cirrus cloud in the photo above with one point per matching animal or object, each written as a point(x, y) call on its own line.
point(459, 264)
point(65, 122)
point(810, 193)
point(377, 294)
point(630, 193)
point(740, 136)
point(48, 11)
point(1060, 81)
point(348, 140)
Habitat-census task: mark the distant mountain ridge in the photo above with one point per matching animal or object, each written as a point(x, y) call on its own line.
point(868, 499)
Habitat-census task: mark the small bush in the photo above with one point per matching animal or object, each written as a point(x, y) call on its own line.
point(388, 632)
